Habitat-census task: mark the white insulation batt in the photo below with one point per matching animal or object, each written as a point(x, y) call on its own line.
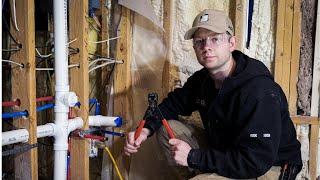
point(148, 59)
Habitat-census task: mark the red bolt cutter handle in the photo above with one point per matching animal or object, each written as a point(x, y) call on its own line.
point(138, 131)
point(168, 128)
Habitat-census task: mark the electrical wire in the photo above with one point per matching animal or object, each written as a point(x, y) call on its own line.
point(109, 74)
point(44, 69)
point(99, 66)
point(75, 39)
point(52, 69)
point(103, 59)
point(97, 42)
point(48, 55)
point(114, 163)
point(8, 29)
point(9, 50)
point(12, 62)
point(43, 56)
point(15, 15)
point(104, 64)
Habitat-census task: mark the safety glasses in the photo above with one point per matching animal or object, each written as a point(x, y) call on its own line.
point(213, 41)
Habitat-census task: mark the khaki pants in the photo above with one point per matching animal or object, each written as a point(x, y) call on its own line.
point(196, 138)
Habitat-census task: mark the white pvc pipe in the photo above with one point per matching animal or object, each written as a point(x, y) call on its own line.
point(22, 135)
point(61, 89)
point(15, 136)
point(60, 44)
point(46, 130)
point(60, 148)
point(105, 121)
point(74, 124)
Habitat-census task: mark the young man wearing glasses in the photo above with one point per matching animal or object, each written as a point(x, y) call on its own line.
point(248, 133)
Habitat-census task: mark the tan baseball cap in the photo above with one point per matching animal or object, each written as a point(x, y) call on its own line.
point(214, 20)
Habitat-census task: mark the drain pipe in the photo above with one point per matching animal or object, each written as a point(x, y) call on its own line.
point(105, 121)
point(22, 135)
point(47, 130)
point(63, 98)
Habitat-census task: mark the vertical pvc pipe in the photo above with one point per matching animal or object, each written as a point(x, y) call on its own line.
point(61, 89)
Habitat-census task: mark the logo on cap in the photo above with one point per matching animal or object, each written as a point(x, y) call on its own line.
point(204, 18)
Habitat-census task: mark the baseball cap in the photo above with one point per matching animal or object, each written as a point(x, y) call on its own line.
point(214, 20)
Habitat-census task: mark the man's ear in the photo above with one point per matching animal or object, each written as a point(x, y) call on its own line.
point(232, 43)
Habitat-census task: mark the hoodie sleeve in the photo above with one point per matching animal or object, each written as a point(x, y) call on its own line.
point(254, 151)
point(179, 102)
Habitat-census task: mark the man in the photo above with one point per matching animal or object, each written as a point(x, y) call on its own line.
point(248, 131)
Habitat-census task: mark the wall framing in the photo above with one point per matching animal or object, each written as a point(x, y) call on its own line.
point(123, 87)
point(26, 164)
point(78, 29)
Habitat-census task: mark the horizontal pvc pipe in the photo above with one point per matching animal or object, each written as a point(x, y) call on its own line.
point(22, 135)
point(45, 107)
point(47, 98)
point(46, 130)
point(74, 124)
point(15, 114)
point(105, 121)
point(15, 136)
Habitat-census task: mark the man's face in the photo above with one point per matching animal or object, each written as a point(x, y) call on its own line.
point(213, 50)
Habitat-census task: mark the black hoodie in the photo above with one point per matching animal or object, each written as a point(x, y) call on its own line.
point(247, 121)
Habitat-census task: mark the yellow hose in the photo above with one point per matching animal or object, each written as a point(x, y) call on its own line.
point(114, 163)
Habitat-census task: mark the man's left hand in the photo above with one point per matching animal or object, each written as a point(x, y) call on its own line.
point(180, 150)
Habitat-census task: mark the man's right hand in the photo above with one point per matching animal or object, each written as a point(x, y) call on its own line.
point(132, 145)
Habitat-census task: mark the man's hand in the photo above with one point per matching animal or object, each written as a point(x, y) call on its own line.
point(180, 150)
point(132, 145)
